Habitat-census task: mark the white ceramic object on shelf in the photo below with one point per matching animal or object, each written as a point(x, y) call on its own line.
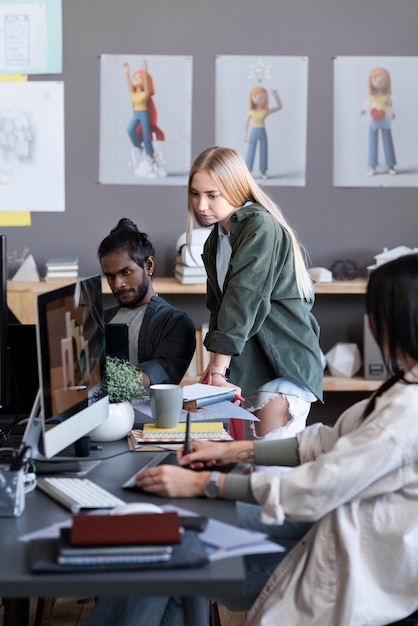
point(120, 423)
point(344, 359)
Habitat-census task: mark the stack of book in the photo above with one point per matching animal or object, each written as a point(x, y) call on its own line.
point(119, 539)
point(189, 274)
point(61, 267)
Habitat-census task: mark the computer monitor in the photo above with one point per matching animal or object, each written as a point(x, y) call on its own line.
point(3, 322)
point(117, 341)
point(71, 365)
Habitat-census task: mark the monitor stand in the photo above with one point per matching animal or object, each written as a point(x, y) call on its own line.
point(68, 465)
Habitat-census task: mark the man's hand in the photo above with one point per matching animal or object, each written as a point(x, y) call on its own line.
point(172, 482)
point(213, 454)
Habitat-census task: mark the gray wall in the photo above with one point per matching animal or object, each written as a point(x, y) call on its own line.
point(332, 223)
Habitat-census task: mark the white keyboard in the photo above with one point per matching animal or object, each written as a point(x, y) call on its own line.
point(78, 493)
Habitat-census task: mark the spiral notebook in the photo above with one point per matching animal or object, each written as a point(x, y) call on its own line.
point(212, 431)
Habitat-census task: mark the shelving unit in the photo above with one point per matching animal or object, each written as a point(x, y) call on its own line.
point(21, 298)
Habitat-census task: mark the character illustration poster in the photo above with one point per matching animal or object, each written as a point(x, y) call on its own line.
point(145, 119)
point(375, 122)
point(261, 110)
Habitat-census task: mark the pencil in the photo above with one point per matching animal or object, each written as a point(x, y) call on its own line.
point(187, 437)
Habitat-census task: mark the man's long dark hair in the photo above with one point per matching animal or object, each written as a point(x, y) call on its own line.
point(126, 236)
point(392, 306)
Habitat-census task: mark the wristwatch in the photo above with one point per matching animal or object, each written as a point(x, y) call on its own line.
point(211, 488)
point(223, 371)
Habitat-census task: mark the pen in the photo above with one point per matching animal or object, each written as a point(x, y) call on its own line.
point(187, 438)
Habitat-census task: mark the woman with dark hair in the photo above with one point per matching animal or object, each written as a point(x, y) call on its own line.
point(347, 511)
point(162, 338)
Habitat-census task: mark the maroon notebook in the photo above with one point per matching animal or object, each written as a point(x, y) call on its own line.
point(119, 530)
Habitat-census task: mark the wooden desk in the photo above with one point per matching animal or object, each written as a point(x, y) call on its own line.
point(41, 511)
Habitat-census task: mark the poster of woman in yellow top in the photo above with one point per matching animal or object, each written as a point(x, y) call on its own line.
point(142, 126)
point(378, 107)
point(145, 119)
point(375, 121)
point(261, 109)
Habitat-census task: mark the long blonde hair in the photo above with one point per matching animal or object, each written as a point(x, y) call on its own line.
point(231, 175)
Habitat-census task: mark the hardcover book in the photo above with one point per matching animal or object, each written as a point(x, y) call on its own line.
point(132, 529)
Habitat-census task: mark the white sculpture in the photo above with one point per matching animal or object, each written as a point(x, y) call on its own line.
point(344, 359)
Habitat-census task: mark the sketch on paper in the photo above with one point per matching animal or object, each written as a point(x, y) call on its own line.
point(261, 110)
point(374, 124)
point(16, 139)
point(32, 176)
point(145, 119)
point(30, 37)
point(22, 35)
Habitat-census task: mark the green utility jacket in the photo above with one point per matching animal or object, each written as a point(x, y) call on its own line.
point(260, 318)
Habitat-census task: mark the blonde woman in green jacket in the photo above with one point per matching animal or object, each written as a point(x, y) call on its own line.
point(263, 338)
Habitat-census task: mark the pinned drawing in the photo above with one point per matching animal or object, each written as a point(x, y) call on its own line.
point(247, 95)
point(379, 108)
point(139, 146)
point(32, 172)
point(374, 135)
point(142, 128)
point(259, 110)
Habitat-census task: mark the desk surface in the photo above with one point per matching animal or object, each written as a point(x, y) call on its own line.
point(41, 511)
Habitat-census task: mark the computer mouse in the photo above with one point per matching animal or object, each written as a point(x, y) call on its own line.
point(136, 507)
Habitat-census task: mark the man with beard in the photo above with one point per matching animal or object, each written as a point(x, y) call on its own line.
point(162, 338)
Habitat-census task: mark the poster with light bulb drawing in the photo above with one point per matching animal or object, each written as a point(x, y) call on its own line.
point(375, 121)
point(261, 110)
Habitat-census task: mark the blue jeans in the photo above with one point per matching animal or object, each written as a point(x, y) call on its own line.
point(387, 146)
point(257, 135)
point(156, 611)
point(142, 118)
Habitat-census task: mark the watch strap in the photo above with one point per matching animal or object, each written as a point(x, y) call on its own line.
point(223, 371)
point(211, 487)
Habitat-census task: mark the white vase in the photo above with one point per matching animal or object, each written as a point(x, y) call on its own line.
point(118, 425)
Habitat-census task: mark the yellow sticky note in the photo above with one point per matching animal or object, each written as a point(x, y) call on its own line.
point(15, 218)
point(13, 78)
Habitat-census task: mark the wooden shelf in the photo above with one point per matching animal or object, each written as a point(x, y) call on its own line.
point(21, 298)
point(358, 285)
point(356, 383)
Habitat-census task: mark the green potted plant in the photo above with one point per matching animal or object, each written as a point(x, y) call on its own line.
point(122, 383)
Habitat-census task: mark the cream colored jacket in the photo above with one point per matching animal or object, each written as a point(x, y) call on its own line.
point(359, 563)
